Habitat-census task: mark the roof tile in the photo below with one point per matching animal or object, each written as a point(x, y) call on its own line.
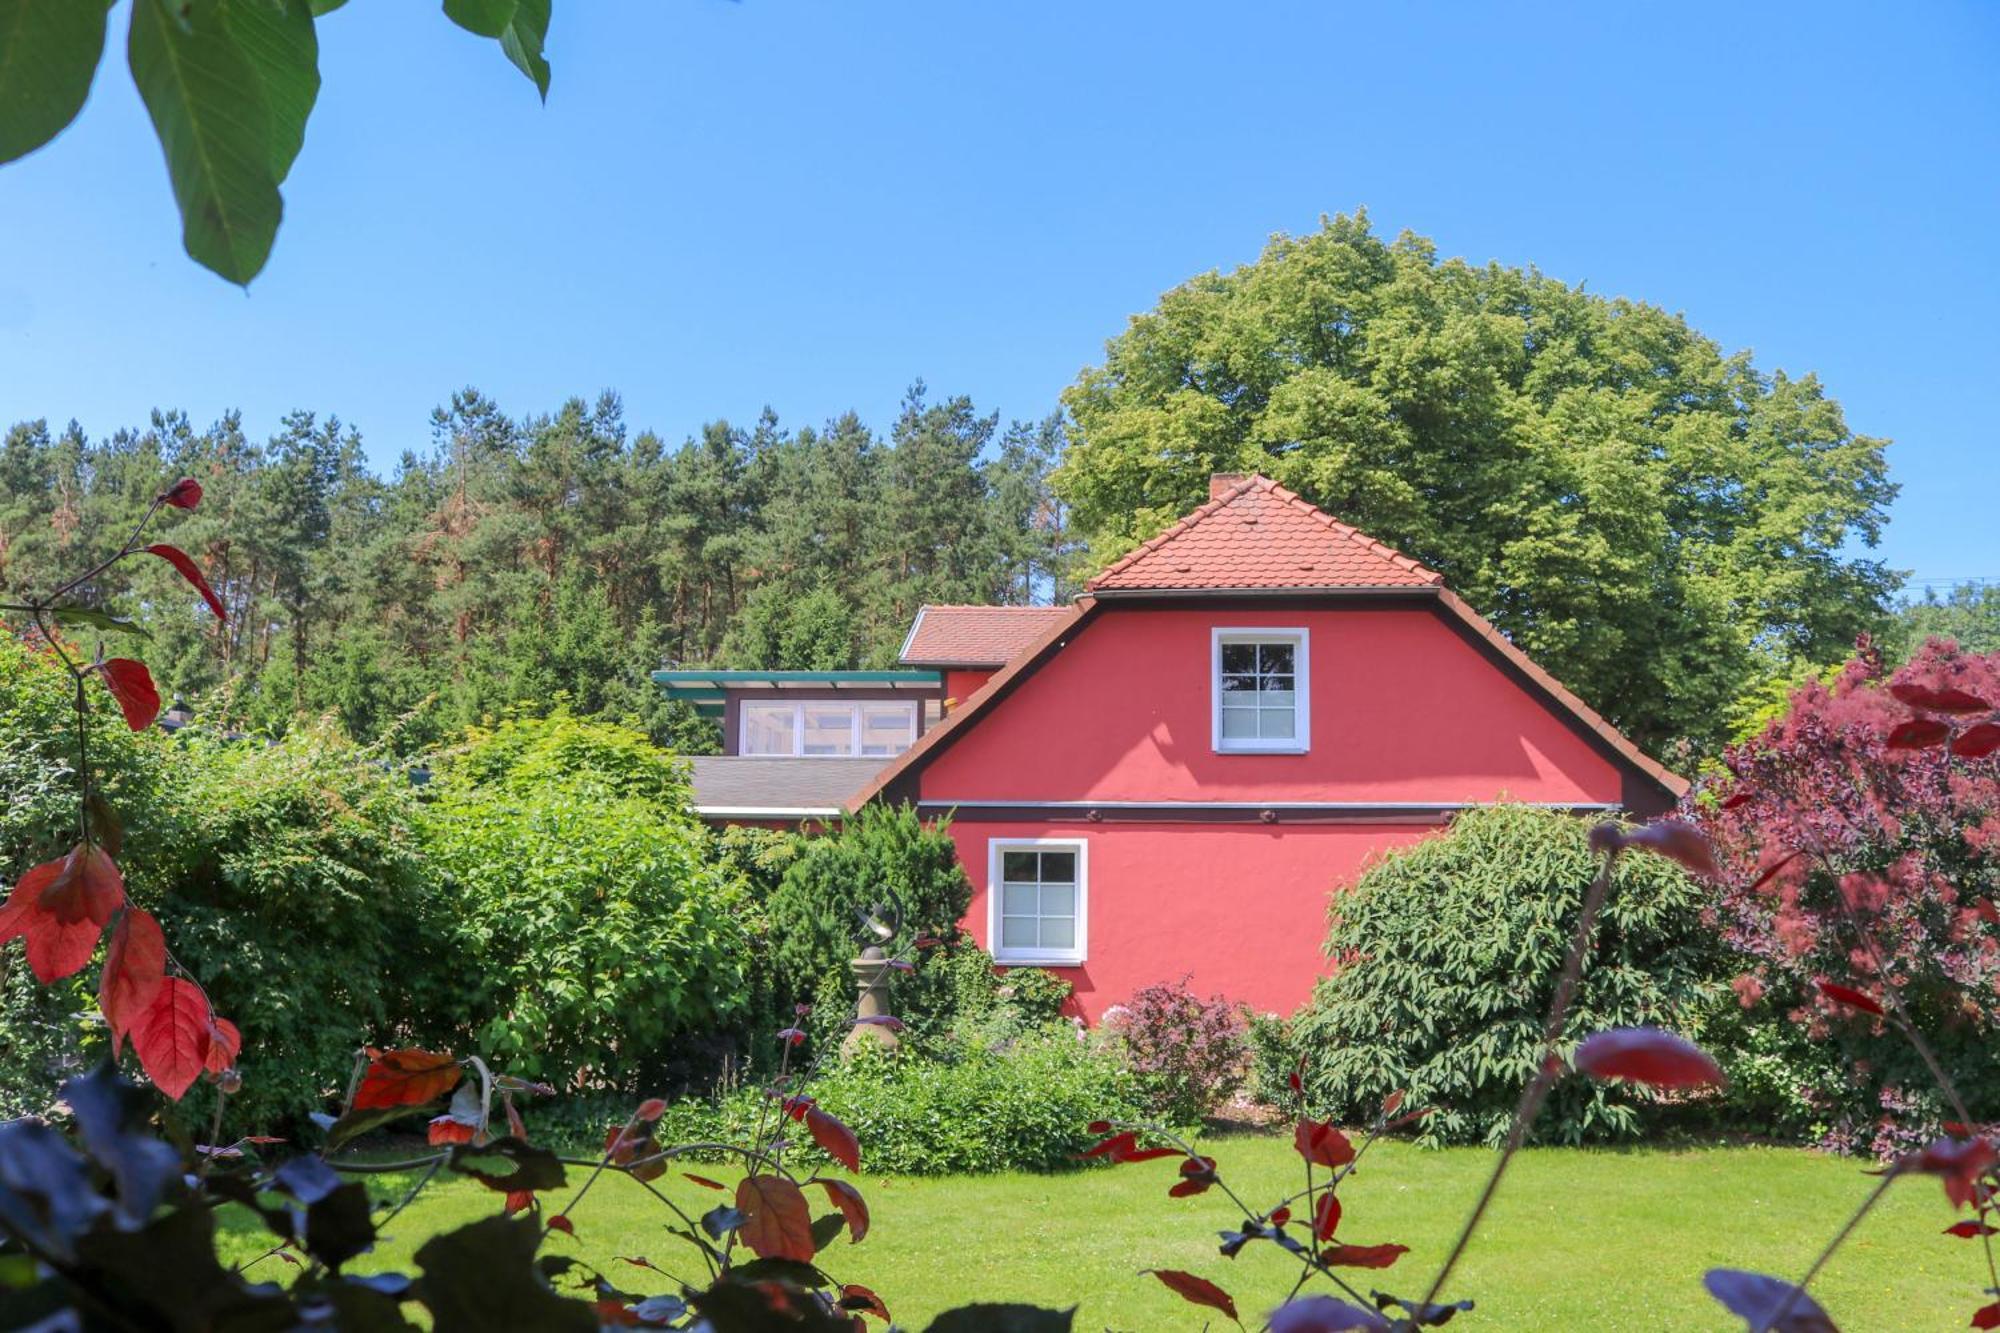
point(1257, 534)
point(976, 636)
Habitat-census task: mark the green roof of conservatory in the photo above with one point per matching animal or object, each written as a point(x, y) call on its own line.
point(705, 689)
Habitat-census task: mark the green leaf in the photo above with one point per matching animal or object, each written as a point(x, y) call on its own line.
point(229, 84)
point(75, 616)
point(326, 6)
point(522, 26)
point(49, 51)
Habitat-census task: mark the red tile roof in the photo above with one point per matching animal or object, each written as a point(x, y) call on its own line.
point(976, 636)
point(1257, 534)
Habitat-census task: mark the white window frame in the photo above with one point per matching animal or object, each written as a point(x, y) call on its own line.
point(1300, 639)
point(996, 849)
point(798, 707)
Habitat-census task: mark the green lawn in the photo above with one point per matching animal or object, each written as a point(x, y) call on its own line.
point(1577, 1239)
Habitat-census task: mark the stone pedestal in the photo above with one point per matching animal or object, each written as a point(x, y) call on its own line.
point(871, 982)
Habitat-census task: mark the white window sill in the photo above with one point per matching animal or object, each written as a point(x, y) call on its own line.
point(1263, 749)
point(1011, 960)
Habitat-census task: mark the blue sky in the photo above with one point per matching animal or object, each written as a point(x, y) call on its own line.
point(811, 204)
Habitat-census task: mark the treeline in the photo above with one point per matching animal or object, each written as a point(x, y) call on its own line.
point(525, 560)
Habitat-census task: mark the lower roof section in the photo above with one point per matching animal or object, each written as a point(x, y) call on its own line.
point(755, 787)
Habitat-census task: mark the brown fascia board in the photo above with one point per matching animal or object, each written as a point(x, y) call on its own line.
point(1000, 685)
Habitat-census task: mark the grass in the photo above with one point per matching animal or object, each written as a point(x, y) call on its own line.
point(1577, 1238)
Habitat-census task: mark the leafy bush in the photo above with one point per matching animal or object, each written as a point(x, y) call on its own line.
point(595, 939)
point(810, 918)
point(1190, 1054)
point(1022, 1107)
point(1273, 1057)
point(1854, 828)
point(1446, 955)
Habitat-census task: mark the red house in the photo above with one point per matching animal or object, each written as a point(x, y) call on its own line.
point(1171, 775)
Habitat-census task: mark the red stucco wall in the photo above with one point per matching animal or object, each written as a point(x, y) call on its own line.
point(1241, 908)
point(1403, 709)
point(960, 684)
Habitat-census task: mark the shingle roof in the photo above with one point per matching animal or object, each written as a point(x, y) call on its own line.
point(976, 636)
point(749, 785)
point(1257, 534)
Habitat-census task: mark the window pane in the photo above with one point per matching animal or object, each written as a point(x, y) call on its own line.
point(1242, 685)
point(1276, 724)
point(1239, 724)
point(1058, 900)
point(767, 729)
point(1017, 932)
point(1018, 900)
point(1059, 867)
point(829, 729)
point(888, 728)
point(1239, 657)
point(1278, 697)
point(1059, 932)
point(1274, 657)
point(1018, 867)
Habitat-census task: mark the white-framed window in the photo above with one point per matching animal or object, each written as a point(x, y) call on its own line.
point(1038, 893)
point(1261, 690)
point(827, 728)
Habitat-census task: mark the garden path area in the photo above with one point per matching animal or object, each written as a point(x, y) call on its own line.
point(1578, 1238)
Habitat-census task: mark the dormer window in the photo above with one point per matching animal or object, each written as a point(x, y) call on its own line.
point(1261, 691)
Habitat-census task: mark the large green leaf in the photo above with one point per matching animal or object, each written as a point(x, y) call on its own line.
point(48, 53)
point(522, 26)
point(229, 84)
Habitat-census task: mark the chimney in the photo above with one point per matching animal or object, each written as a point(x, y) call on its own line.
point(1221, 483)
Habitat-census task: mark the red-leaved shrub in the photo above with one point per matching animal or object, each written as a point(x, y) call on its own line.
point(1190, 1054)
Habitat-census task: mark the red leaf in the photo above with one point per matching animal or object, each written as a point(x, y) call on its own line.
point(835, 1139)
point(776, 1222)
point(792, 1036)
point(183, 494)
point(519, 1201)
point(1987, 912)
point(1280, 1216)
point(1099, 1127)
point(224, 1044)
point(560, 1222)
point(171, 1036)
point(190, 571)
point(132, 686)
point(650, 1110)
point(1326, 1216)
point(856, 1297)
point(1318, 1141)
point(704, 1182)
point(1197, 1290)
point(1679, 842)
point(1736, 800)
point(797, 1106)
point(1392, 1103)
point(1197, 1177)
point(1848, 996)
point(852, 1207)
point(1362, 1256)
point(1950, 699)
point(1977, 742)
point(1959, 1163)
point(1987, 1316)
point(134, 967)
point(1967, 1230)
point(406, 1078)
point(61, 907)
point(1919, 733)
point(1770, 872)
point(449, 1129)
point(1651, 1056)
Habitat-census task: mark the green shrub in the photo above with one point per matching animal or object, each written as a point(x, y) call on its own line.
point(810, 918)
point(1446, 956)
point(595, 939)
point(1273, 1057)
point(1021, 1107)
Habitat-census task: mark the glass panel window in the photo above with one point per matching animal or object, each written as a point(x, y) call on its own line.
point(828, 729)
point(1260, 690)
point(888, 728)
point(770, 728)
point(1039, 902)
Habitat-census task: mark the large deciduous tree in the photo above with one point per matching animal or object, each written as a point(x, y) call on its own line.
point(1659, 523)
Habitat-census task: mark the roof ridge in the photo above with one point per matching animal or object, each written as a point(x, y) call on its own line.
point(1183, 525)
point(1372, 544)
point(987, 606)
